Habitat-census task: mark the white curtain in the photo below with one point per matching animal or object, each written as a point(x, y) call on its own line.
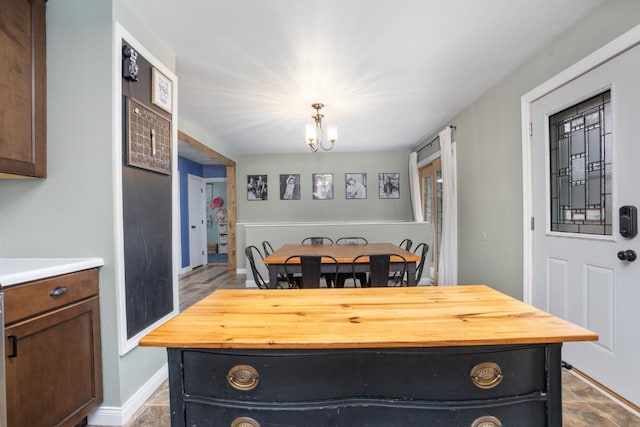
point(448, 260)
point(414, 187)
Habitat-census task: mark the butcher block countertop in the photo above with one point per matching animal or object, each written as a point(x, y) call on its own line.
point(394, 317)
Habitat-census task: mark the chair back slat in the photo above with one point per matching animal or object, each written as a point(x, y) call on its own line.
point(406, 244)
point(352, 240)
point(317, 240)
point(310, 267)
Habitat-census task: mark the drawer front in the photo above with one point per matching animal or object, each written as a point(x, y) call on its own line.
point(33, 298)
point(422, 374)
point(523, 414)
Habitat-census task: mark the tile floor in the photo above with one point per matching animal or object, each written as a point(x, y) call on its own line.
point(582, 404)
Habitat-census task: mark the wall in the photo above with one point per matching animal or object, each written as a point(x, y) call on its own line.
point(338, 209)
point(70, 214)
point(489, 142)
point(307, 210)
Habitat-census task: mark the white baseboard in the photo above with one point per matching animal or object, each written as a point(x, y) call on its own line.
point(118, 416)
point(241, 271)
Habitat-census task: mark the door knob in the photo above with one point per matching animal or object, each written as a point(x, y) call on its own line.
point(628, 255)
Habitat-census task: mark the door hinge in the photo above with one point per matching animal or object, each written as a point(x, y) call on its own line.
point(530, 128)
point(533, 223)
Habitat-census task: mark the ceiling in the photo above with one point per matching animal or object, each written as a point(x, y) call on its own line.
point(390, 72)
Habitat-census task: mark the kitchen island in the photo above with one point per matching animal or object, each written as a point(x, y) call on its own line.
point(377, 357)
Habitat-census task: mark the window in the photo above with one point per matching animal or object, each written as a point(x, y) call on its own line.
point(431, 190)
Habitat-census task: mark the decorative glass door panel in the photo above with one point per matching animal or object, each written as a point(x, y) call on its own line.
point(580, 147)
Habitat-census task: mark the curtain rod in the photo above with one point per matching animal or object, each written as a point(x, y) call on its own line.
point(435, 139)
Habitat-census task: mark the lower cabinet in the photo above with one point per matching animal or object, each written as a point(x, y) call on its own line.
point(489, 386)
point(53, 366)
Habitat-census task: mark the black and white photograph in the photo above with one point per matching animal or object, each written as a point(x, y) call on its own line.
point(322, 186)
point(355, 185)
point(389, 185)
point(256, 187)
point(290, 187)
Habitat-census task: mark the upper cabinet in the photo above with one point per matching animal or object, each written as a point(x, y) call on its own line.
point(23, 89)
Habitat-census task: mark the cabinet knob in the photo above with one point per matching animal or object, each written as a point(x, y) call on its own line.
point(487, 421)
point(243, 377)
point(486, 375)
point(245, 422)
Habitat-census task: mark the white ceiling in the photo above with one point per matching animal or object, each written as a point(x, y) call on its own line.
point(390, 72)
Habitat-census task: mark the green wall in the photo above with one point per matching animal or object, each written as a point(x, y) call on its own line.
point(338, 209)
point(357, 212)
point(70, 213)
point(489, 145)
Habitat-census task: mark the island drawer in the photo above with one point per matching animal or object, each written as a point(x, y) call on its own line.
point(404, 374)
point(370, 414)
point(37, 297)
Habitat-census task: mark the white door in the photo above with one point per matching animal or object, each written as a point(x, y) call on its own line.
point(197, 224)
point(586, 147)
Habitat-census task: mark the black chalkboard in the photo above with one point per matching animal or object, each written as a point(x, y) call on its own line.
point(147, 203)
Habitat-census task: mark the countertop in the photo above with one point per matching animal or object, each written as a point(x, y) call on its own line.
point(14, 271)
point(419, 316)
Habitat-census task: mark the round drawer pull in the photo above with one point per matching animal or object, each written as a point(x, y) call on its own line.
point(245, 422)
point(487, 421)
point(486, 375)
point(243, 378)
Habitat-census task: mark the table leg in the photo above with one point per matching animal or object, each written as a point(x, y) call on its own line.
point(273, 275)
point(411, 274)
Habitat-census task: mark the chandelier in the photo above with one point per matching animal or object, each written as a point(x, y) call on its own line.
point(315, 133)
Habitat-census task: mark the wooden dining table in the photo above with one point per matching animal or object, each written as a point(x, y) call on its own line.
point(344, 254)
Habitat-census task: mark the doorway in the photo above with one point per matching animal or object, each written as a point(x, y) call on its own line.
point(201, 154)
point(217, 220)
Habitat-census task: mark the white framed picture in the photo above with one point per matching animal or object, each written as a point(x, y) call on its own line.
point(161, 90)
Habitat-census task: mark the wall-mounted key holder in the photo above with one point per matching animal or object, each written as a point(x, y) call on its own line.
point(149, 139)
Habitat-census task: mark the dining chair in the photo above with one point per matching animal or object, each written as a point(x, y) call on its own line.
point(356, 240)
point(268, 250)
point(379, 265)
point(252, 252)
point(317, 241)
point(342, 277)
point(421, 249)
point(396, 278)
point(406, 244)
point(310, 266)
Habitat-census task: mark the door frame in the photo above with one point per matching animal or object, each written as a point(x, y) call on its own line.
point(231, 192)
point(600, 56)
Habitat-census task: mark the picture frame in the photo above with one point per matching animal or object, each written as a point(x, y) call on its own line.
point(257, 187)
point(322, 186)
point(161, 90)
point(355, 186)
point(389, 185)
point(290, 186)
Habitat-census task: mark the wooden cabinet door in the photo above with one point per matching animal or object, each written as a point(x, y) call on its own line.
point(23, 88)
point(53, 366)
